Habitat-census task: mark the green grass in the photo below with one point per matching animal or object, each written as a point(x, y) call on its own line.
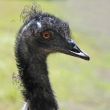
point(78, 84)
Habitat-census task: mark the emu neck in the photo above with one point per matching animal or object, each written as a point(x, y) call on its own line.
point(37, 88)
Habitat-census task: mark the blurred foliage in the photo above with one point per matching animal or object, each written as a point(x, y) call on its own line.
point(78, 84)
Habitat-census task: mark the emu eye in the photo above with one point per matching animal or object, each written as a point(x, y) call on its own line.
point(47, 34)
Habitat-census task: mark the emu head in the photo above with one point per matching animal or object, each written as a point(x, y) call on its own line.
point(45, 34)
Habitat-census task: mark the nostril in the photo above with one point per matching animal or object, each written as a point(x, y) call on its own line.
point(76, 49)
point(73, 47)
point(71, 44)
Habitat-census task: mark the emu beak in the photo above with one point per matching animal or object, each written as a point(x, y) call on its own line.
point(74, 50)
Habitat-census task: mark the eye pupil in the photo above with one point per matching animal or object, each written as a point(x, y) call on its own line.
point(46, 35)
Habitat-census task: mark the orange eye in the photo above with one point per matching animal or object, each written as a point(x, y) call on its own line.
point(47, 35)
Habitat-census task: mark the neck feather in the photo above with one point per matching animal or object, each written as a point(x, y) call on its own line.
point(34, 76)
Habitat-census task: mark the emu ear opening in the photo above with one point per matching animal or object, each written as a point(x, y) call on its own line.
point(31, 28)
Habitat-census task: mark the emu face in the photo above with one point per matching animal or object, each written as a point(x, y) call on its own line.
point(49, 34)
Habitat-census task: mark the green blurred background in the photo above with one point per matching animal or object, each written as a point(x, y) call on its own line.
point(78, 84)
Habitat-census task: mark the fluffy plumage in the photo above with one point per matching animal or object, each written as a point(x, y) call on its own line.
point(40, 35)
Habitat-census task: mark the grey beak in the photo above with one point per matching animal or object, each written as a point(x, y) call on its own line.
point(74, 50)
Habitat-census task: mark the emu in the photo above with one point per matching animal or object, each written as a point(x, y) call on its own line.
point(41, 35)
